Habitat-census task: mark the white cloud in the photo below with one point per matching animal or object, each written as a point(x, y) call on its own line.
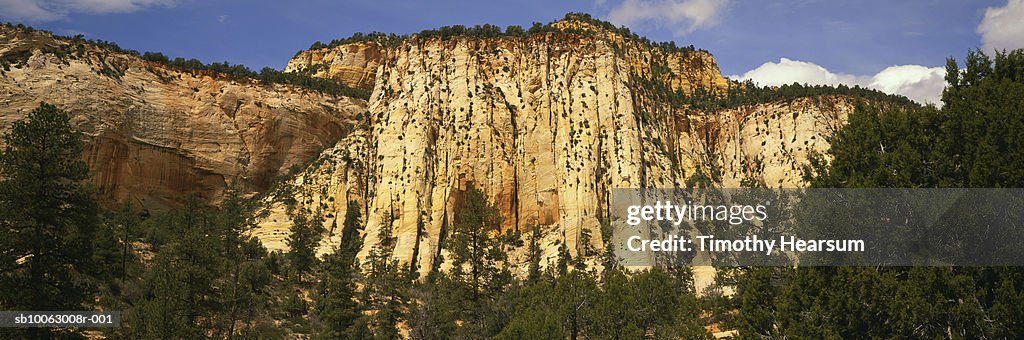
point(25, 9)
point(919, 83)
point(681, 16)
point(48, 10)
point(788, 71)
point(1003, 27)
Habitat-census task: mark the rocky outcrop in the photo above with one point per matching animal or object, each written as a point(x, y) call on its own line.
point(156, 133)
point(546, 125)
point(766, 143)
point(336, 177)
point(352, 64)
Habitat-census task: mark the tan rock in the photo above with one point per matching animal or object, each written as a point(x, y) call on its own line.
point(156, 133)
point(546, 126)
point(353, 64)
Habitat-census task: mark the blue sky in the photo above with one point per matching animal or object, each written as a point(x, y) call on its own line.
point(852, 41)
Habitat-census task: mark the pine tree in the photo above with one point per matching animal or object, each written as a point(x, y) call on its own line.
point(48, 217)
point(303, 241)
point(336, 304)
point(385, 286)
point(479, 274)
point(245, 276)
point(180, 295)
point(475, 252)
point(974, 140)
point(533, 273)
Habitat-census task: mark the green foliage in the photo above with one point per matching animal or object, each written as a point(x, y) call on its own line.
point(48, 218)
point(668, 46)
point(448, 32)
point(493, 31)
point(883, 147)
point(535, 255)
point(747, 93)
point(122, 225)
point(378, 37)
point(305, 80)
point(984, 130)
point(857, 302)
point(974, 140)
point(470, 291)
point(203, 278)
point(655, 303)
point(386, 285)
point(303, 239)
point(336, 303)
point(179, 286)
point(206, 278)
point(475, 251)
point(194, 273)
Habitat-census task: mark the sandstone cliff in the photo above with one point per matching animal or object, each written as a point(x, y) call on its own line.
point(354, 64)
point(156, 133)
point(546, 124)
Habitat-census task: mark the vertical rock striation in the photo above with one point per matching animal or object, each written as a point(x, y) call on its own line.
point(546, 125)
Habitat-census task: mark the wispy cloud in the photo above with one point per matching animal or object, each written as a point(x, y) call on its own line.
point(72, 32)
point(1003, 27)
point(680, 16)
point(919, 83)
point(49, 10)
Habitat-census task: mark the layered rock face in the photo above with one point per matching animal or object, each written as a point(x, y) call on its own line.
point(353, 64)
point(156, 133)
point(546, 126)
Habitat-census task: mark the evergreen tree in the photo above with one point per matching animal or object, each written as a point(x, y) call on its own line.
point(384, 289)
point(533, 272)
point(474, 249)
point(245, 277)
point(303, 240)
point(336, 304)
point(974, 140)
point(476, 253)
point(179, 298)
point(479, 276)
point(124, 223)
point(48, 217)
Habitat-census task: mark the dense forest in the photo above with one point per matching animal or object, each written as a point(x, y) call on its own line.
point(975, 140)
point(194, 273)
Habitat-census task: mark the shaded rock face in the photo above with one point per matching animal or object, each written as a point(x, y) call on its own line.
point(155, 133)
point(546, 126)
